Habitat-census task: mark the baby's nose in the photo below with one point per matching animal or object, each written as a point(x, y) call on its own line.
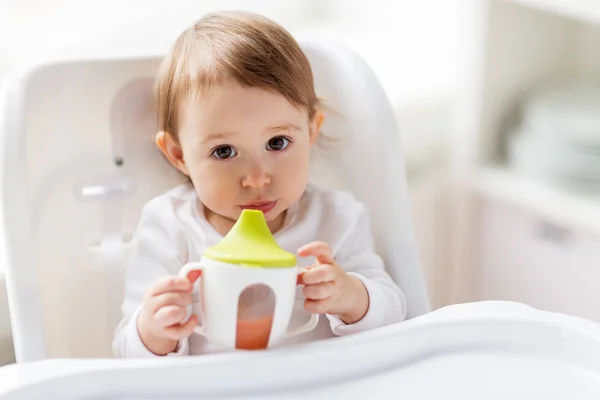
point(256, 177)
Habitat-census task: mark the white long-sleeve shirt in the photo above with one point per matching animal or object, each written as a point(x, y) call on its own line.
point(174, 231)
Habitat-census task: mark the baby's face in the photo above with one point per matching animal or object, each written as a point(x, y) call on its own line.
point(246, 148)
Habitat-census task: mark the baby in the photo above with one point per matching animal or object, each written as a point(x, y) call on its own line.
point(238, 115)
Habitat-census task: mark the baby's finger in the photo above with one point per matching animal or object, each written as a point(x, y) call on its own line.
point(180, 331)
point(319, 291)
point(301, 272)
point(170, 284)
point(319, 274)
point(317, 306)
point(181, 299)
point(320, 250)
point(170, 315)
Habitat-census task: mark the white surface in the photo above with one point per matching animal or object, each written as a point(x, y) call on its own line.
point(573, 210)
point(474, 351)
point(55, 280)
point(528, 258)
point(584, 10)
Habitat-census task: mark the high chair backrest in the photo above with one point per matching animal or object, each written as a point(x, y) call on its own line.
point(79, 161)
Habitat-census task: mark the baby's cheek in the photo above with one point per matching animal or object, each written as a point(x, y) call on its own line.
point(209, 179)
point(214, 193)
point(295, 174)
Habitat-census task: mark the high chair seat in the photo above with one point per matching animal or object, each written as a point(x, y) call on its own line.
point(79, 162)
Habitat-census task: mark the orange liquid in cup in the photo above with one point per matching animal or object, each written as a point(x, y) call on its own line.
point(253, 334)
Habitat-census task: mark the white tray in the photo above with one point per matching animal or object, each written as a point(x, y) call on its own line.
point(489, 350)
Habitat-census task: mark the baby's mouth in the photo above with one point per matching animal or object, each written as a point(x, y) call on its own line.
point(264, 206)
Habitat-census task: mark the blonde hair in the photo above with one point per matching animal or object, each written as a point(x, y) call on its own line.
point(248, 48)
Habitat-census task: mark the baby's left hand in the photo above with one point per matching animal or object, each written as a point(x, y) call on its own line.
point(329, 289)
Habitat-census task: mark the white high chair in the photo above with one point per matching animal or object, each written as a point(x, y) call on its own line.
point(68, 210)
point(79, 161)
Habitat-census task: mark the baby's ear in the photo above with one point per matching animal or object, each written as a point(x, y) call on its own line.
point(172, 150)
point(315, 126)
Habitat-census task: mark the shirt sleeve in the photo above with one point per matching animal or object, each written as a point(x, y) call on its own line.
point(357, 256)
point(157, 250)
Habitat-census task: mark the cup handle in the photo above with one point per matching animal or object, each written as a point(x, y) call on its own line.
point(309, 326)
point(185, 270)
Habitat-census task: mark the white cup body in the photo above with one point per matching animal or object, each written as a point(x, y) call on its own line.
point(222, 284)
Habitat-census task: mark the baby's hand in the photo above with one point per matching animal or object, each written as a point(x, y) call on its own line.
point(329, 289)
point(160, 322)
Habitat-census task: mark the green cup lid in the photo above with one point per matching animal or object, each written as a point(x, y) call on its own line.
point(251, 243)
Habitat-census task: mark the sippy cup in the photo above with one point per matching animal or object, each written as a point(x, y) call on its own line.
point(248, 287)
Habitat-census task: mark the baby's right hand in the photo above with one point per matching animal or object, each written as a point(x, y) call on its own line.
point(160, 323)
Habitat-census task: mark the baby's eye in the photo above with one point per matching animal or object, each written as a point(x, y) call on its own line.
point(278, 143)
point(224, 152)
